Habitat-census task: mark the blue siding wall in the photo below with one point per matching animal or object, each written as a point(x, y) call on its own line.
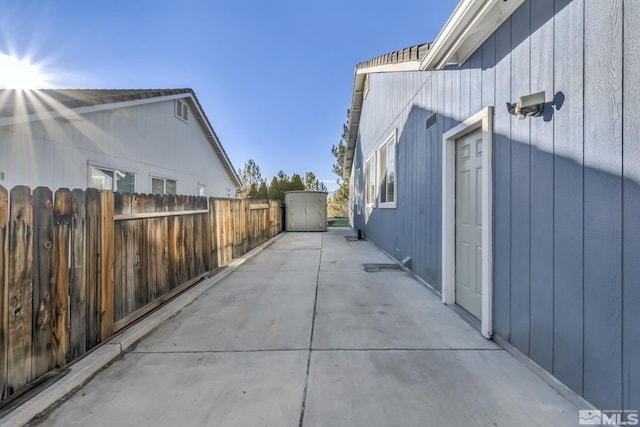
point(631, 209)
point(566, 185)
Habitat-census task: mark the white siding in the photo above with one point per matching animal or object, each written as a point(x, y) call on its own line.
point(145, 139)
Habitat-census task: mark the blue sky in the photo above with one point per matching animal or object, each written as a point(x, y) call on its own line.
point(274, 77)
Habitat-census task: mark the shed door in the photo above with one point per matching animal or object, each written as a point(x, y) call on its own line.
point(296, 212)
point(469, 223)
point(316, 212)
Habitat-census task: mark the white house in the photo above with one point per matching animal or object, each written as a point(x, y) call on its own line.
point(143, 141)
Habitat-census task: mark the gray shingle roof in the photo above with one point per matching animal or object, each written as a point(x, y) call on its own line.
point(413, 53)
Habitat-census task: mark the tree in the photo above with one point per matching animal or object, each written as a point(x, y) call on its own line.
point(311, 183)
point(274, 192)
point(296, 183)
point(249, 175)
point(253, 192)
point(282, 183)
point(263, 192)
point(338, 204)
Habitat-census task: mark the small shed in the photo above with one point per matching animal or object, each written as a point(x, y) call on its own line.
point(306, 210)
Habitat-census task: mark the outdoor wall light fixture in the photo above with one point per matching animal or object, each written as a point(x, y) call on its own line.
point(527, 106)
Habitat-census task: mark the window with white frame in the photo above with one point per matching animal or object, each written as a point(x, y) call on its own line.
point(182, 111)
point(112, 179)
point(387, 173)
point(163, 185)
point(370, 181)
point(202, 190)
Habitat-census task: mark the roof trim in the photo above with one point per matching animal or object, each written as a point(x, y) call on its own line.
point(470, 25)
point(403, 60)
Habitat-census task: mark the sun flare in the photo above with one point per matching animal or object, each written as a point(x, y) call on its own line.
point(20, 74)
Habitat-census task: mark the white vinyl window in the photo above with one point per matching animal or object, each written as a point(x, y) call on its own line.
point(387, 173)
point(202, 190)
point(370, 181)
point(163, 185)
point(182, 111)
point(112, 179)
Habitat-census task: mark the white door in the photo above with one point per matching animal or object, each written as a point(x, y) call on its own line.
point(468, 241)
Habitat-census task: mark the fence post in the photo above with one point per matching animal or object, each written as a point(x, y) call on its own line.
point(106, 264)
point(4, 295)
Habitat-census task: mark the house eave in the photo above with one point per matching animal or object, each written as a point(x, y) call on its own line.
point(470, 25)
point(400, 61)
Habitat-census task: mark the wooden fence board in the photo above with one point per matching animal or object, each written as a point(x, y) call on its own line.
point(181, 258)
point(61, 232)
point(189, 247)
point(210, 257)
point(142, 256)
point(153, 246)
point(162, 257)
point(173, 258)
point(238, 222)
point(246, 205)
point(77, 278)
point(107, 264)
point(93, 266)
point(20, 288)
point(4, 295)
point(224, 233)
point(133, 258)
point(42, 361)
point(118, 242)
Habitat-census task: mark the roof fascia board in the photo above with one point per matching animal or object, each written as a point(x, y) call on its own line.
point(354, 119)
point(469, 26)
point(391, 68)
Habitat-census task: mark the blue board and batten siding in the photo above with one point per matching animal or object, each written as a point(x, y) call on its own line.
point(566, 196)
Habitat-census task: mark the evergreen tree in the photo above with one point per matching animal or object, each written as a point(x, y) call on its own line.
point(275, 192)
point(249, 175)
point(253, 192)
point(263, 192)
point(338, 205)
point(296, 183)
point(311, 183)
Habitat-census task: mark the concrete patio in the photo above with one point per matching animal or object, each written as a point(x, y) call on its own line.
point(301, 335)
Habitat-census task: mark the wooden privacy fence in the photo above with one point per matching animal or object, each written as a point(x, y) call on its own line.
point(77, 266)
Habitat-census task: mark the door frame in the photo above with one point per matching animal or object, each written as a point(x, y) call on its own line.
point(481, 120)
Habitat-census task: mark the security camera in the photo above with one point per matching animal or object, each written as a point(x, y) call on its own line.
point(527, 106)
